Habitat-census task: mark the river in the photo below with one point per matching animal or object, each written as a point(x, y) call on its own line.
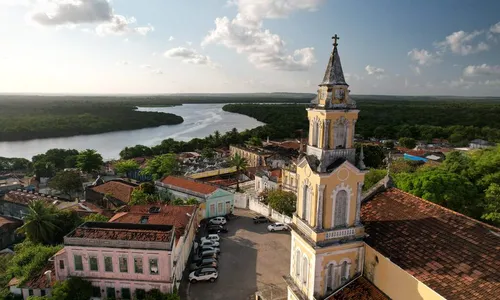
point(200, 120)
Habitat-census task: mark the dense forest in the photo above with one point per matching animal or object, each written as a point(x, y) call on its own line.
point(31, 117)
point(459, 121)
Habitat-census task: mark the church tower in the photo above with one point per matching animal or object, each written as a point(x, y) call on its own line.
point(327, 236)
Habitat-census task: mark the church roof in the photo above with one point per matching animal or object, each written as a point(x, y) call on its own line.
point(456, 256)
point(359, 289)
point(334, 74)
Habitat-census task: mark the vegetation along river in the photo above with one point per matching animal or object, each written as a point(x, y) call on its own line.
point(200, 120)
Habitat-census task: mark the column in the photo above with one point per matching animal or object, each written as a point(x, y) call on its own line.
point(319, 207)
point(327, 135)
point(358, 202)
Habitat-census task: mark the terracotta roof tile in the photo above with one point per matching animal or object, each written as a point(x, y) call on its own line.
point(174, 215)
point(24, 198)
point(359, 289)
point(123, 232)
point(189, 184)
point(120, 190)
point(40, 280)
point(454, 255)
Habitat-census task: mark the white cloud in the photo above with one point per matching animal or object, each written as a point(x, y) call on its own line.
point(61, 12)
point(146, 66)
point(495, 28)
point(246, 34)
point(190, 56)
point(494, 83)
point(157, 71)
point(171, 38)
point(120, 25)
point(423, 57)
point(460, 83)
point(123, 63)
point(460, 42)
point(416, 69)
point(378, 72)
point(484, 69)
point(189, 43)
point(349, 76)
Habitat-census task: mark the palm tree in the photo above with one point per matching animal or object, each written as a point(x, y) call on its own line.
point(240, 163)
point(40, 223)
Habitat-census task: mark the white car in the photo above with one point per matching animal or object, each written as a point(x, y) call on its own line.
point(218, 221)
point(210, 243)
point(277, 227)
point(204, 274)
point(210, 237)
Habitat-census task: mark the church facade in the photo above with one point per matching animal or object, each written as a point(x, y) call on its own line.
point(333, 255)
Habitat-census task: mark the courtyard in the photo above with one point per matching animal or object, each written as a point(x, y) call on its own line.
point(251, 259)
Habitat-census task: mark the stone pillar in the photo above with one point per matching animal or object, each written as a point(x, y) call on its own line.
point(319, 207)
point(358, 202)
point(327, 135)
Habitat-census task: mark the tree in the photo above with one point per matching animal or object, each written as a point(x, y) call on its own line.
point(139, 197)
point(74, 288)
point(373, 155)
point(161, 166)
point(208, 153)
point(67, 182)
point(126, 166)
point(408, 143)
point(240, 163)
point(255, 141)
point(372, 177)
point(40, 223)
point(282, 201)
point(389, 145)
point(492, 204)
point(148, 188)
point(192, 201)
point(95, 218)
point(89, 161)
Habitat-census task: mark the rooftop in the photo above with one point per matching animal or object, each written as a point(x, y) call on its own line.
point(456, 256)
point(40, 280)
point(359, 289)
point(4, 220)
point(24, 198)
point(123, 232)
point(189, 184)
point(119, 189)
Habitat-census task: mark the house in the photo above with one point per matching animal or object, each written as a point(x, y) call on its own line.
point(119, 259)
point(289, 177)
point(8, 228)
point(40, 284)
point(255, 156)
point(111, 194)
point(480, 144)
point(213, 200)
point(183, 218)
point(8, 185)
point(15, 203)
point(267, 180)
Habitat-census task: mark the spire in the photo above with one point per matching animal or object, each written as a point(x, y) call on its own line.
point(361, 163)
point(334, 74)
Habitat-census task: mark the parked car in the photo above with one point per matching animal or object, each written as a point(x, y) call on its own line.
point(218, 221)
point(211, 237)
point(205, 255)
point(260, 219)
point(277, 227)
point(208, 243)
point(207, 248)
point(204, 263)
point(217, 228)
point(204, 274)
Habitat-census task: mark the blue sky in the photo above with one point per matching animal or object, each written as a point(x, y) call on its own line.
point(445, 47)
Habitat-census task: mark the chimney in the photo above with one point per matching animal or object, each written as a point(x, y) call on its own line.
point(49, 276)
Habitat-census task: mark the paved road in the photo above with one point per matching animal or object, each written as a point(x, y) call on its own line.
point(251, 259)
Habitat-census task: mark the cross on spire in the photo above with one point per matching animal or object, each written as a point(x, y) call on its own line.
point(335, 38)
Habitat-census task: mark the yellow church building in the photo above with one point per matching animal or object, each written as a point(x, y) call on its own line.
point(385, 245)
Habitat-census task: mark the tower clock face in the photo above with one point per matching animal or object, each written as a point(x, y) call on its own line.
point(339, 94)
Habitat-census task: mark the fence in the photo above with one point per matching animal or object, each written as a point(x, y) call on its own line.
point(240, 200)
point(265, 210)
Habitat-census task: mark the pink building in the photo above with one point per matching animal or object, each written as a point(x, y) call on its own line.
point(120, 259)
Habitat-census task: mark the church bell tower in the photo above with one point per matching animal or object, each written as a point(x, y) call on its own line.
point(327, 236)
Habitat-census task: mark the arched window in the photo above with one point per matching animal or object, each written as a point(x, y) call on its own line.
point(297, 264)
point(344, 275)
point(305, 269)
point(340, 218)
point(340, 134)
point(329, 278)
point(305, 192)
point(315, 133)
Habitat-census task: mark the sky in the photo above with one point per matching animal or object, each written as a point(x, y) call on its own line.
point(397, 47)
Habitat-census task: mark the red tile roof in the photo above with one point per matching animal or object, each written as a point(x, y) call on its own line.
point(456, 256)
point(120, 190)
point(169, 215)
point(123, 232)
point(359, 289)
point(4, 220)
point(40, 280)
point(189, 184)
point(24, 198)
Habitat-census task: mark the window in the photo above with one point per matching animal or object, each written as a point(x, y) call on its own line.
point(306, 202)
point(42, 292)
point(93, 263)
point(78, 263)
point(61, 264)
point(329, 278)
point(108, 264)
point(212, 210)
point(340, 134)
point(123, 264)
point(140, 294)
point(110, 293)
point(126, 293)
point(297, 263)
point(144, 220)
point(96, 291)
point(340, 209)
point(344, 272)
point(30, 292)
point(305, 267)
point(138, 265)
point(219, 208)
point(153, 266)
point(228, 207)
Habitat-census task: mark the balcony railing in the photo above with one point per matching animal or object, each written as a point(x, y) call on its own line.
point(288, 187)
point(302, 226)
point(339, 233)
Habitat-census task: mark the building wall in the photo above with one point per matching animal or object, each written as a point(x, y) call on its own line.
point(131, 284)
point(351, 116)
point(263, 183)
point(222, 201)
point(394, 281)
point(162, 279)
point(8, 234)
point(183, 248)
point(35, 292)
point(253, 159)
point(13, 209)
point(306, 252)
point(289, 180)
